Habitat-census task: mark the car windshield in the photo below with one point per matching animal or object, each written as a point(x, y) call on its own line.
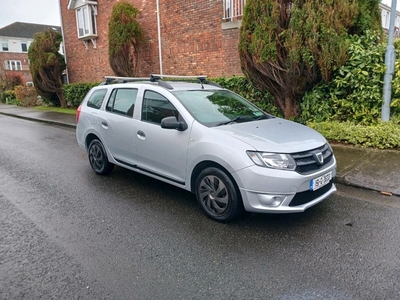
point(219, 107)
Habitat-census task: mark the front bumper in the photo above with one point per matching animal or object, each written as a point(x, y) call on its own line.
point(279, 191)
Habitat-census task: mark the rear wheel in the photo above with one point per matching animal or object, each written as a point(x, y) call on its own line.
point(217, 195)
point(98, 158)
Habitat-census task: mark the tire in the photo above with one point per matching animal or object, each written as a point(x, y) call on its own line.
point(98, 158)
point(217, 195)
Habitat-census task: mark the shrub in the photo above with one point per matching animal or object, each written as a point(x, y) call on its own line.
point(75, 92)
point(383, 135)
point(355, 93)
point(26, 96)
point(8, 96)
point(10, 80)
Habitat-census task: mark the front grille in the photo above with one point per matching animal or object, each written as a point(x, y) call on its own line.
point(306, 162)
point(308, 196)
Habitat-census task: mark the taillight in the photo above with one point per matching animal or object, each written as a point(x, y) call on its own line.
point(78, 112)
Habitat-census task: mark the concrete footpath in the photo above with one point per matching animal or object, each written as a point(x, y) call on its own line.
point(372, 169)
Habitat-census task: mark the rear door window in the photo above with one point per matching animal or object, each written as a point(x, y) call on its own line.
point(122, 101)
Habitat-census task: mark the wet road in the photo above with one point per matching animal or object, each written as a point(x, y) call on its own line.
point(66, 233)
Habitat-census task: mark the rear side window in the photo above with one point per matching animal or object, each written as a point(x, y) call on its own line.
point(96, 99)
point(156, 107)
point(122, 101)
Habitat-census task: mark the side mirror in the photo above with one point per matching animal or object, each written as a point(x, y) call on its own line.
point(173, 123)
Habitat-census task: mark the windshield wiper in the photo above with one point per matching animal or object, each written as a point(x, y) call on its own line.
point(235, 120)
point(263, 117)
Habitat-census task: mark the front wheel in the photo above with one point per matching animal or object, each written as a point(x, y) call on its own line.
point(217, 195)
point(98, 158)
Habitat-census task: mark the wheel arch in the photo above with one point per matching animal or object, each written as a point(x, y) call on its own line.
point(207, 164)
point(89, 138)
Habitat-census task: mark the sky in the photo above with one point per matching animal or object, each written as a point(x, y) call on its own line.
point(46, 12)
point(389, 2)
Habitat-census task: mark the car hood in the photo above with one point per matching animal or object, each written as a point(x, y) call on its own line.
point(275, 135)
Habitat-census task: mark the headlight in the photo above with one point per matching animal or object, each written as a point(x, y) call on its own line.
point(272, 160)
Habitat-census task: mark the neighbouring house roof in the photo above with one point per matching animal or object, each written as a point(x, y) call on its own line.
point(25, 30)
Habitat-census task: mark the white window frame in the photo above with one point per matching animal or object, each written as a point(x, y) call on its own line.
point(86, 21)
point(233, 9)
point(13, 65)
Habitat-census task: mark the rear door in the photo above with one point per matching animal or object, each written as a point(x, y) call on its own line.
point(117, 126)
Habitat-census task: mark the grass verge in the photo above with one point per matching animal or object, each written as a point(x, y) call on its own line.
point(70, 111)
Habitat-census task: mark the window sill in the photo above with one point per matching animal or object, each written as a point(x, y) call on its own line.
point(88, 37)
point(231, 24)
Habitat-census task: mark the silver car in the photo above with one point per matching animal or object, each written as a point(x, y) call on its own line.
point(208, 140)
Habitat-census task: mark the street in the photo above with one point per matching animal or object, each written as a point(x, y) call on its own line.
point(66, 233)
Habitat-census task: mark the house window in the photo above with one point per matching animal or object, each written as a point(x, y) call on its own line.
point(86, 20)
point(4, 45)
point(24, 47)
point(13, 65)
point(233, 9)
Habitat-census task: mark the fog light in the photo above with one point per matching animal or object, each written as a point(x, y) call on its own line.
point(271, 200)
point(276, 201)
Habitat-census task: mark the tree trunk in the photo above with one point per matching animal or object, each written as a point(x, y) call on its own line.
point(61, 97)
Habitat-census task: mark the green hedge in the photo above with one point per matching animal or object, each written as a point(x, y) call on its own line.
point(75, 92)
point(383, 135)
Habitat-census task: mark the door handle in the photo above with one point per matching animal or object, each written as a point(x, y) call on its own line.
point(140, 133)
point(104, 124)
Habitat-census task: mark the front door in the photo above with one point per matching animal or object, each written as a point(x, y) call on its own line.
point(160, 151)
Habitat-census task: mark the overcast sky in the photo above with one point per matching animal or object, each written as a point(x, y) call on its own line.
point(389, 2)
point(44, 12)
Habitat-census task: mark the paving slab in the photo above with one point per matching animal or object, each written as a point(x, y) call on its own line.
point(369, 168)
point(37, 115)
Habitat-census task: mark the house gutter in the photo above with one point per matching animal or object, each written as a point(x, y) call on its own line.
point(63, 43)
point(159, 36)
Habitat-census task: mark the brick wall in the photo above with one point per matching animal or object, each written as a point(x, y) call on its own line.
point(23, 58)
point(193, 41)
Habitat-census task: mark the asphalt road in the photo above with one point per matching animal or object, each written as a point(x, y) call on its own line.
point(66, 233)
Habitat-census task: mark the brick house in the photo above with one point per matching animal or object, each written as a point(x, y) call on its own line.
point(14, 44)
point(184, 38)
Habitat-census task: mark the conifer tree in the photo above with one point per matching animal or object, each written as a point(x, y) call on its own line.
point(46, 65)
point(125, 36)
point(288, 46)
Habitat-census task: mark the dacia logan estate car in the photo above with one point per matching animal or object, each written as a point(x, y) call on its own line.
point(208, 140)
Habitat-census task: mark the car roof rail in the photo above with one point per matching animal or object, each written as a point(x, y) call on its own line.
point(119, 79)
point(201, 78)
point(159, 79)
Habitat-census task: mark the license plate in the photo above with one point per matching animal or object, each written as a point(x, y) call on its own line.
point(319, 182)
